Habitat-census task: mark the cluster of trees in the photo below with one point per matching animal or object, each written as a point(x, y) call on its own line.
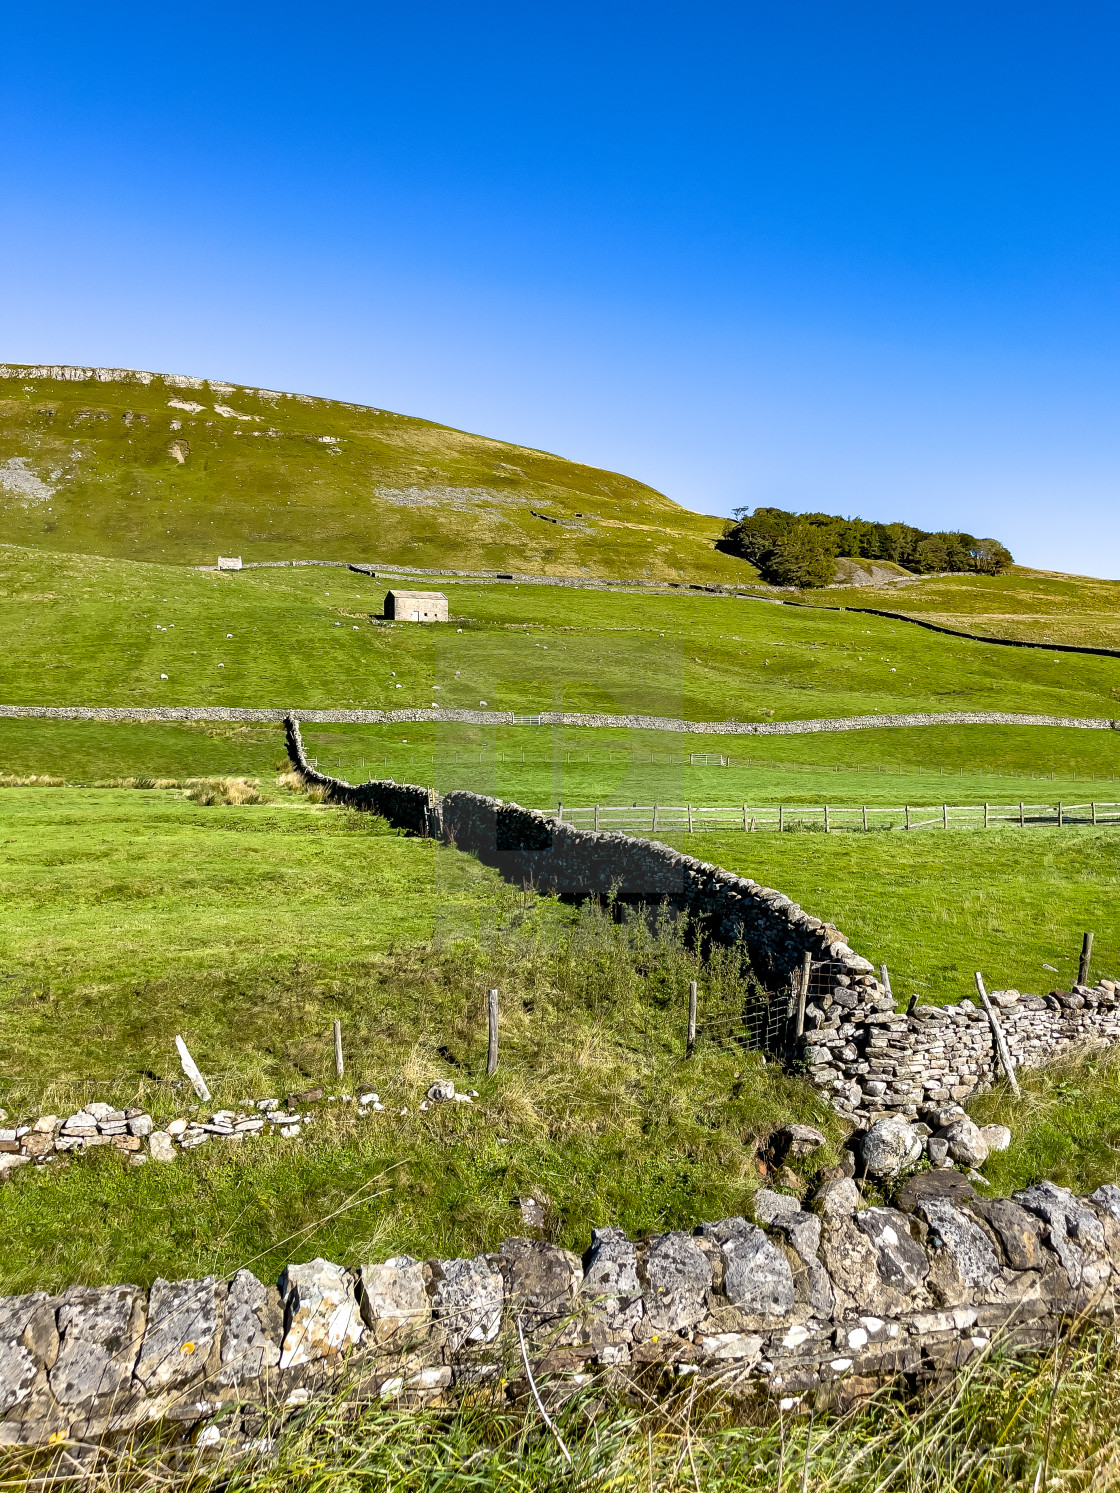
point(800, 549)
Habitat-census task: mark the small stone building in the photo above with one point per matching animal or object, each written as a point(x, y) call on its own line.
point(416, 606)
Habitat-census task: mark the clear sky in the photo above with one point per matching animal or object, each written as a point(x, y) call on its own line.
point(853, 256)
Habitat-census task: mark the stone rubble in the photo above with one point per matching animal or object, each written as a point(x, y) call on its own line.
point(135, 1133)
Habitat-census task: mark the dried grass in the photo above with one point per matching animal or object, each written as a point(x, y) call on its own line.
point(225, 791)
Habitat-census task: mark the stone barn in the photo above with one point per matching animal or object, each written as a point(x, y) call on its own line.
point(416, 606)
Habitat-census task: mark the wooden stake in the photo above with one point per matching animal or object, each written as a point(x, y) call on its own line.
point(998, 1041)
point(596, 816)
point(826, 819)
point(689, 806)
point(865, 816)
point(803, 991)
point(1086, 952)
point(190, 1068)
point(1020, 813)
point(338, 1066)
point(691, 1040)
point(885, 980)
point(492, 1044)
point(985, 816)
point(907, 816)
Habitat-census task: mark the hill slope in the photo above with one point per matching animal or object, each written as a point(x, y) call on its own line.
point(164, 467)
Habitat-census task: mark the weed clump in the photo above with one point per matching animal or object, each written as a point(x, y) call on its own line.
point(212, 791)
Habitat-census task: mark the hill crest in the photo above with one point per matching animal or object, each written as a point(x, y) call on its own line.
point(124, 462)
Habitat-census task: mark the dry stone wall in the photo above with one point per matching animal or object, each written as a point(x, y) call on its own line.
point(868, 1059)
point(551, 718)
point(929, 1061)
point(532, 849)
point(825, 1301)
point(806, 1301)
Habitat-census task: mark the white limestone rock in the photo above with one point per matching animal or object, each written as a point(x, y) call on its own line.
point(321, 1316)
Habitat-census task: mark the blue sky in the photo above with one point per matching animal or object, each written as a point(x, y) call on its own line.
point(858, 257)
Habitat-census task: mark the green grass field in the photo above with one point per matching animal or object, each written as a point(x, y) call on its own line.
point(937, 906)
point(127, 917)
point(1036, 605)
point(146, 468)
point(96, 631)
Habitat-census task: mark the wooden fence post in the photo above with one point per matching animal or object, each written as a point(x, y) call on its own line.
point(745, 819)
point(1094, 809)
point(690, 1041)
point(689, 807)
point(826, 819)
point(492, 1023)
point(998, 1040)
point(944, 816)
point(865, 816)
point(654, 830)
point(1086, 954)
point(985, 816)
point(1021, 821)
point(803, 990)
point(907, 816)
point(781, 818)
point(596, 816)
point(1059, 813)
point(338, 1068)
point(190, 1068)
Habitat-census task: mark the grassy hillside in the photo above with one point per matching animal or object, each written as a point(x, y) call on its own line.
point(152, 466)
point(1039, 606)
point(105, 632)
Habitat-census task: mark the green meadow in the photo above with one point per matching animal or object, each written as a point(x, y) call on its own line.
point(107, 632)
point(132, 914)
point(129, 916)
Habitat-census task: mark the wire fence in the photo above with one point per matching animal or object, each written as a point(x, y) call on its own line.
point(752, 1018)
point(829, 818)
point(771, 1021)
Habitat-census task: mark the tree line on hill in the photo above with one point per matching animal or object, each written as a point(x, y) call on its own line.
point(801, 549)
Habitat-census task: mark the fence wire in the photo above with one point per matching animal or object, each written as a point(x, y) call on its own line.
point(760, 1020)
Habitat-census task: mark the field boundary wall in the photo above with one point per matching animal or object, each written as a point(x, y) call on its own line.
point(550, 718)
point(867, 1058)
point(807, 1305)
